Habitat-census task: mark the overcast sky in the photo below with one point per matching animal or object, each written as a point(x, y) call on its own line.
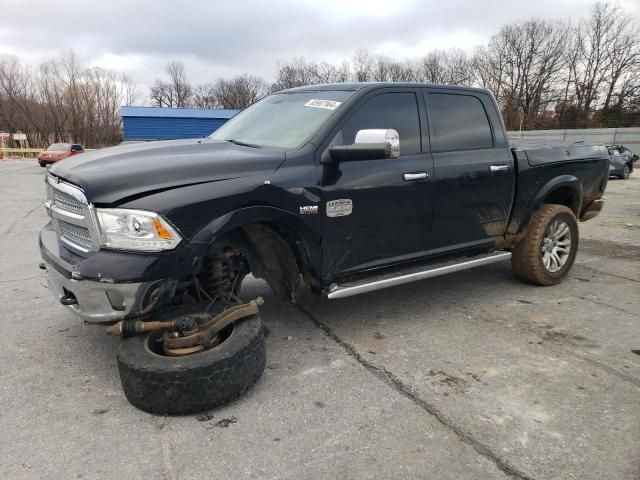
point(222, 38)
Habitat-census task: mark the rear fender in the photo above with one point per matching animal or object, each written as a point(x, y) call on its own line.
point(563, 183)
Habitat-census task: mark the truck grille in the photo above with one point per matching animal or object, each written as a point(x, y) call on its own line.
point(75, 234)
point(66, 202)
point(71, 215)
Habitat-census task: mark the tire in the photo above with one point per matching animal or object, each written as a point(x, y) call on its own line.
point(626, 172)
point(42, 164)
point(183, 385)
point(528, 257)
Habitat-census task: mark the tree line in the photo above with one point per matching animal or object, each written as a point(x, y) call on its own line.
point(60, 100)
point(544, 74)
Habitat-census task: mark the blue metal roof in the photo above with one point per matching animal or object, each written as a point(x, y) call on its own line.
point(177, 112)
point(156, 123)
point(163, 128)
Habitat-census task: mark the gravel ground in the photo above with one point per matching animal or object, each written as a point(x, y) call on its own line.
point(473, 375)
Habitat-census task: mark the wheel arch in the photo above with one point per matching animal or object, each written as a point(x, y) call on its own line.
point(563, 190)
point(272, 238)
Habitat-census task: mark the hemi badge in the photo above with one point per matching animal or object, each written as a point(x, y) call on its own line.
point(309, 210)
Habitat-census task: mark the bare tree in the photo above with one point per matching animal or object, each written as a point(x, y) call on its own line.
point(623, 52)
point(161, 94)
point(325, 72)
point(239, 92)
point(362, 66)
point(592, 62)
point(61, 101)
point(380, 71)
point(295, 73)
point(451, 67)
point(179, 84)
point(204, 96)
point(130, 90)
point(488, 66)
point(176, 92)
point(527, 61)
point(18, 107)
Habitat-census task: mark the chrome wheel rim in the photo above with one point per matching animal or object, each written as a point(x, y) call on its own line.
point(556, 246)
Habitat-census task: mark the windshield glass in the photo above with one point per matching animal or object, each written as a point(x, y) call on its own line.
point(59, 147)
point(282, 120)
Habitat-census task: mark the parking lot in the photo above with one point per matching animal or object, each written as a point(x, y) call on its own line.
point(469, 376)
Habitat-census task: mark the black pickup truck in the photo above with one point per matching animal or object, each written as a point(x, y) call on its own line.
point(335, 189)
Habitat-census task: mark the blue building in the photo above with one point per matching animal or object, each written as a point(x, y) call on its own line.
point(155, 123)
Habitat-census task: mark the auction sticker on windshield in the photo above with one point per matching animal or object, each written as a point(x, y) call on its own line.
point(328, 104)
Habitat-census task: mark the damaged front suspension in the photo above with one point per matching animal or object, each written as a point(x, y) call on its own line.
point(189, 334)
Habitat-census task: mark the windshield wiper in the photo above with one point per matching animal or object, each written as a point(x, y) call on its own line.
point(238, 142)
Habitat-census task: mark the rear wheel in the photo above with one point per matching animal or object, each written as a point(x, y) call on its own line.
point(42, 164)
point(547, 252)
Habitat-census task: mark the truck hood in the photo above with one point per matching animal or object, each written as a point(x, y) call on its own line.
point(110, 175)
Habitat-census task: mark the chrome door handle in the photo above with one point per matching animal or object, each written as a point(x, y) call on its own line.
point(410, 177)
point(499, 168)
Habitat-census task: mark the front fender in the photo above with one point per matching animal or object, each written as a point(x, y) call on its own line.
point(305, 238)
point(247, 215)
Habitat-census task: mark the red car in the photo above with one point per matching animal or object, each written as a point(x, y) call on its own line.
point(58, 151)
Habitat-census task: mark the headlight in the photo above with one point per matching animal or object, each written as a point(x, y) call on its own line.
point(124, 229)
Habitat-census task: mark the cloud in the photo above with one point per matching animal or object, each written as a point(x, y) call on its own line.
point(221, 38)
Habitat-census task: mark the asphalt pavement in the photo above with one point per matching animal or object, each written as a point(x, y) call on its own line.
point(475, 375)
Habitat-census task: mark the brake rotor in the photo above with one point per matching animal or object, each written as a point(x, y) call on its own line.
point(181, 352)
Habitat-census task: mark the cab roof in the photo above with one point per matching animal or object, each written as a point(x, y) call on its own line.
point(357, 86)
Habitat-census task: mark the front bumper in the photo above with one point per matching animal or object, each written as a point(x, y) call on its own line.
point(49, 161)
point(107, 286)
point(96, 301)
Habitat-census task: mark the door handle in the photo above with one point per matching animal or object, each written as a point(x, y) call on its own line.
point(499, 168)
point(411, 177)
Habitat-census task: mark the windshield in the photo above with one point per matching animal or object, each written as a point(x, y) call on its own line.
point(59, 147)
point(284, 120)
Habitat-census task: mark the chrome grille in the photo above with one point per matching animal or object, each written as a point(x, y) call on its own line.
point(71, 215)
point(67, 202)
point(75, 234)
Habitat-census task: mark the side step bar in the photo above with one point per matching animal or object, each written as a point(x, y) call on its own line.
point(370, 285)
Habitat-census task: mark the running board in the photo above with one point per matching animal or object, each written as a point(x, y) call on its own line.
point(391, 280)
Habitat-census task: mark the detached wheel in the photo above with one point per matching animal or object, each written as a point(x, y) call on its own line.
point(162, 384)
point(546, 254)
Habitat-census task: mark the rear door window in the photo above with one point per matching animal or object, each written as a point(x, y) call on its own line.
point(458, 122)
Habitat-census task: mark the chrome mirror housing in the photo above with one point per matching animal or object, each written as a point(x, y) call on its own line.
point(389, 137)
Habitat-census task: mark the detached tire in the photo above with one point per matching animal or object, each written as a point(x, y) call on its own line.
point(189, 384)
point(547, 252)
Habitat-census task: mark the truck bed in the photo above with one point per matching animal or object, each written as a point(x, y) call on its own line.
point(543, 151)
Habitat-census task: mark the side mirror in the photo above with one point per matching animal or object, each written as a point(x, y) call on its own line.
point(369, 144)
